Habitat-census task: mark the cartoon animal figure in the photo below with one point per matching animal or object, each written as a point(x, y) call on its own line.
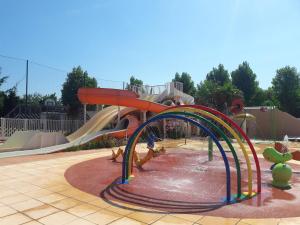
point(281, 172)
point(138, 161)
point(272, 155)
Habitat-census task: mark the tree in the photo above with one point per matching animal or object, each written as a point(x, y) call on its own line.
point(286, 89)
point(135, 85)
point(188, 84)
point(218, 75)
point(245, 80)
point(216, 90)
point(38, 99)
point(51, 96)
point(2, 94)
point(135, 82)
point(75, 79)
point(216, 96)
point(11, 100)
point(264, 97)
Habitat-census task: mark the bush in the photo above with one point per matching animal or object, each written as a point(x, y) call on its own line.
point(175, 133)
point(104, 141)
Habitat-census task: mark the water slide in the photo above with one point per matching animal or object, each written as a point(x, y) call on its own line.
point(99, 121)
point(128, 102)
point(32, 139)
point(117, 97)
point(26, 140)
point(108, 114)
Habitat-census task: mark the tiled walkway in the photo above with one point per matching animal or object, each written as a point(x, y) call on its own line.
point(36, 192)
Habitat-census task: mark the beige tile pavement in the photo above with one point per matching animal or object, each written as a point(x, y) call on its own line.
point(58, 218)
point(26, 205)
point(33, 222)
point(12, 199)
point(65, 203)
point(172, 220)
point(102, 217)
point(83, 210)
point(51, 198)
point(14, 219)
point(145, 217)
point(5, 211)
point(36, 192)
point(210, 220)
point(126, 221)
point(189, 217)
point(41, 211)
point(290, 221)
point(260, 221)
point(80, 221)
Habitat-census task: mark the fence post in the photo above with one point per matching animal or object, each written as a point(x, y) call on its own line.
point(77, 125)
point(62, 127)
point(25, 124)
point(44, 122)
point(3, 127)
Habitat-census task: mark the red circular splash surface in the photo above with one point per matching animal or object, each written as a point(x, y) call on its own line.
point(183, 181)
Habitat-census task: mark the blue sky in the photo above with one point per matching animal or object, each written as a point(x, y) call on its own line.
point(150, 39)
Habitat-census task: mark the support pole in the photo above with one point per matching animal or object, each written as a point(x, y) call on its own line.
point(244, 126)
point(210, 149)
point(26, 91)
point(144, 116)
point(186, 132)
point(164, 128)
point(84, 113)
point(119, 114)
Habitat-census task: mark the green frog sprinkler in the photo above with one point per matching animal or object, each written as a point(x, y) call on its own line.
point(281, 172)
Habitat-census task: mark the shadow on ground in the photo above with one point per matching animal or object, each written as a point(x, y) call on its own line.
point(115, 195)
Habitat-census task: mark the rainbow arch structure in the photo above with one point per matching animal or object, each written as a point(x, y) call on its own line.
point(192, 114)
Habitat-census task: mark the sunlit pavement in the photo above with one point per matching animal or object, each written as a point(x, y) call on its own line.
point(33, 190)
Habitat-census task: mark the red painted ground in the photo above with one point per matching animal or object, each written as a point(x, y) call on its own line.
point(182, 181)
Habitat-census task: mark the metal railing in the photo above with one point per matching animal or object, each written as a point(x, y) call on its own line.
point(10, 125)
point(154, 89)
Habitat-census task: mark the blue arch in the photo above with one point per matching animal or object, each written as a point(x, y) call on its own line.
point(172, 116)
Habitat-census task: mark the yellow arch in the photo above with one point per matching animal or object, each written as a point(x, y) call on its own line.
point(231, 131)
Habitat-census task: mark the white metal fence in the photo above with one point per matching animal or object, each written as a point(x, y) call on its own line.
point(154, 89)
point(10, 125)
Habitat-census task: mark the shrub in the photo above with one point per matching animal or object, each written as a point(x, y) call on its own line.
point(175, 133)
point(104, 141)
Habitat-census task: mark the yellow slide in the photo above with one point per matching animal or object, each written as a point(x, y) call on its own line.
point(96, 123)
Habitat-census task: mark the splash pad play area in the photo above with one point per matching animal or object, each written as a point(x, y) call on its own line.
point(236, 183)
point(212, 169)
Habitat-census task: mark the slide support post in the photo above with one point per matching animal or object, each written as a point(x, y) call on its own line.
point(210, 149)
